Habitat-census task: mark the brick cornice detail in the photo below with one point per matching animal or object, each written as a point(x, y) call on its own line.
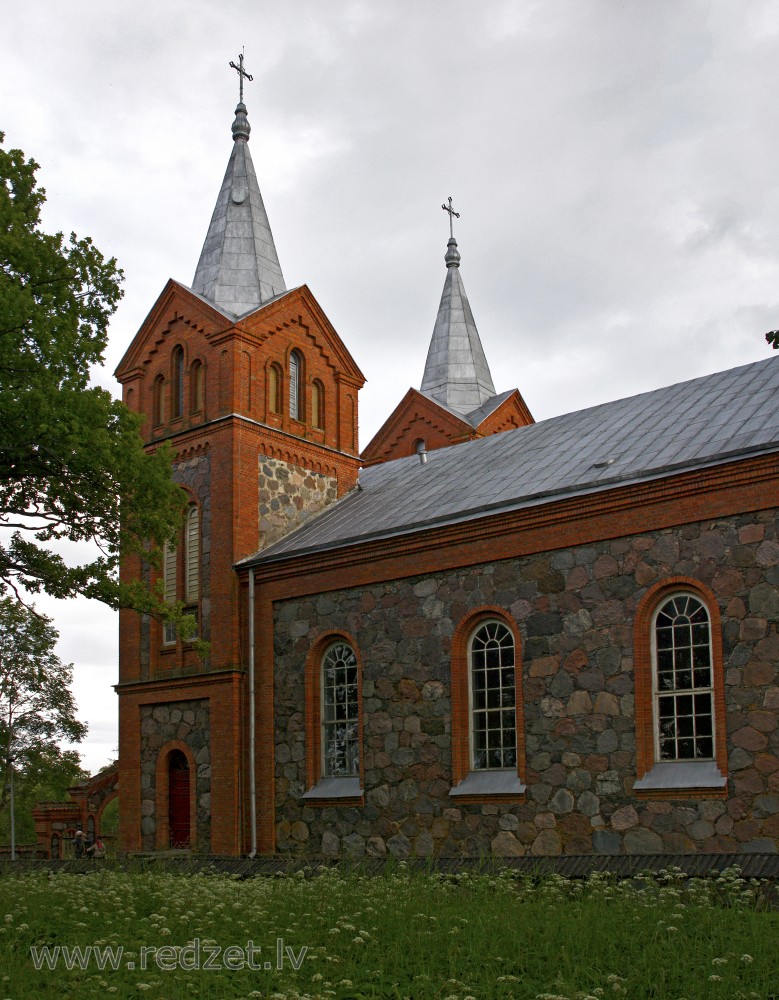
point(179, 688)
point(281, 443)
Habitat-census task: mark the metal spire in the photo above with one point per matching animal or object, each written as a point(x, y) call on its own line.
point(456, 372)
point(239, 268)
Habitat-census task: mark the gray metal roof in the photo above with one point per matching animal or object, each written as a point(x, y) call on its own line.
point(239, 268)
point(456, 371)
point(481, 413)
point(713, 419)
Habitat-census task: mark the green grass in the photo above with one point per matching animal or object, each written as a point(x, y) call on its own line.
point(402, 934)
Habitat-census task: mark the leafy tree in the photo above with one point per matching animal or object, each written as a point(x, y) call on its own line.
point(72, 464)
point(37, 708)
point(773, 338)
point(48, 774)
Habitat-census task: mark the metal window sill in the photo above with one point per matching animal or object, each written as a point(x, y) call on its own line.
point(335, 788)
point(489, 783)
point(671, 775)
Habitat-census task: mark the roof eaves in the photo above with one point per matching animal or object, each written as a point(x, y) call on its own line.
point(485, 510)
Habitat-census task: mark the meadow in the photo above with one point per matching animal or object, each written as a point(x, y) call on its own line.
point(337, 934)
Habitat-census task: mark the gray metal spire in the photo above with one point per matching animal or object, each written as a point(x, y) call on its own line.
point(239, 268)
point(456, 371)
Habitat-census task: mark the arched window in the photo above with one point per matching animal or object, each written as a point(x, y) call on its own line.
point(192, 561)
point(187, 587)
point(333, 723)
point(178, 382)
point(274, 389)
point(169, 573)
point(158, 401)
point(295, 379)
point(317, 404)
point(340, 712)
point(55, 846)
point(684, 707)
point(679, 692)
point(488, 747)
point(196, 387)
point(493, 697)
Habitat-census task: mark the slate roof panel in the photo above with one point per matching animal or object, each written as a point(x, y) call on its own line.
point(713, 419)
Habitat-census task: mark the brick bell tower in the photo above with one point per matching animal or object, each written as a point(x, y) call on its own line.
point(257, 394)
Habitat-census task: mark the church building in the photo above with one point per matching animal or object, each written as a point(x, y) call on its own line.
point(484, 635)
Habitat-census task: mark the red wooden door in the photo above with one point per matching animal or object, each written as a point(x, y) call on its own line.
point(178, 798)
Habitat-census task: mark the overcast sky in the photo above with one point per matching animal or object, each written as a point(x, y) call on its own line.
point(614, 164)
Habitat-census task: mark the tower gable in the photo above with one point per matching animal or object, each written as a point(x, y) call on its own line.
point(190, 363)
point(420, 422)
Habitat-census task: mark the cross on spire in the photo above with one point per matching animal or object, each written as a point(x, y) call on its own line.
point(451, 212)
point(241, 74)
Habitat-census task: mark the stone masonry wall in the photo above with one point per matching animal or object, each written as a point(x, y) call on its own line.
point(575, 609)
point(189, 721)
point(288, 496)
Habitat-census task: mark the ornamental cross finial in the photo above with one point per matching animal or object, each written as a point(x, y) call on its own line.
point(451, 212)
point(241, 74)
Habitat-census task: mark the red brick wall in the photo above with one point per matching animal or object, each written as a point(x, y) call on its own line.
point(234, 427)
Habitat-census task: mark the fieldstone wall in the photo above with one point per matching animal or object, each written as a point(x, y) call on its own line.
point(288, 496)
point(575, 610)
point(190, 722)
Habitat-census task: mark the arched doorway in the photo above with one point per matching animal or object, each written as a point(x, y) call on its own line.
point(178, 799)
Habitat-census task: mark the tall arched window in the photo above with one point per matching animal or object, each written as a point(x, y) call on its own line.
point(295, 397)
point(340, 712)
point(317, 404)
point(493, 697)
point(196, 387)
point(192, 561)
point(679, 692)
point(684, 707)
point(169, 573)
point(178, 382)
point(158, 401)
point(488, 744)
point(333, 723)
point(274, 389)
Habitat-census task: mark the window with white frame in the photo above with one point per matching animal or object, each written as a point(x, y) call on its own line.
point(340, 712)
point(683, 682)
point(493, 736)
